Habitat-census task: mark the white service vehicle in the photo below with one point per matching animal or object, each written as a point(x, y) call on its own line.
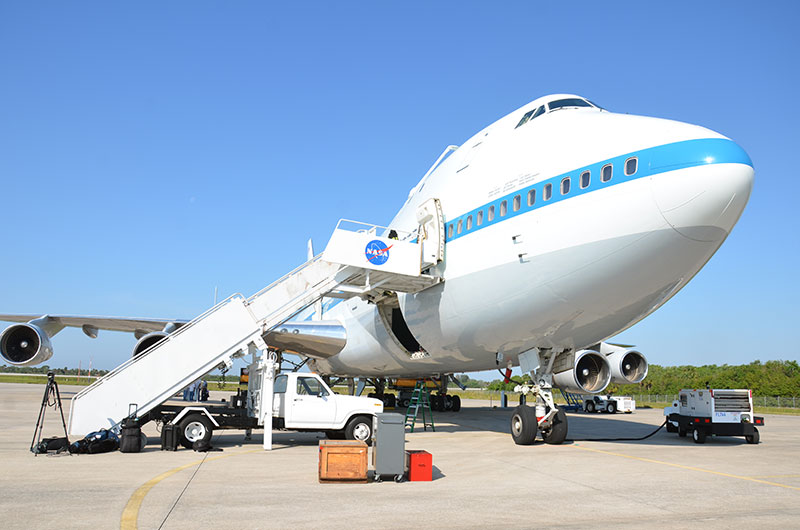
point(714, 412)
point(300, 402)
point(610, 404)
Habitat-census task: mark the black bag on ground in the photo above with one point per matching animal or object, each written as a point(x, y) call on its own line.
point(169, 437)
point(102, 441)
point(131, 436)
point(56, 443)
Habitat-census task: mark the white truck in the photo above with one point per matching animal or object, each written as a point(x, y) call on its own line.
point(301, 402)
point(714, 412)
point(609, 403)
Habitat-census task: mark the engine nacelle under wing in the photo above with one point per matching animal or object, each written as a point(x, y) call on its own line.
point(628, 366)
point(147, 341)
point(590, 373)
point(25, 345)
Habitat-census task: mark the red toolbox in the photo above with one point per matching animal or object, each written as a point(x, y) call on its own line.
point(419, 465)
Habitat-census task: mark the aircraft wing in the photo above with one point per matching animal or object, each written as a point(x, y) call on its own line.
point(132, 325)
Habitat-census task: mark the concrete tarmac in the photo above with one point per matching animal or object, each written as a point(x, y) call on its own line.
point(481, 479)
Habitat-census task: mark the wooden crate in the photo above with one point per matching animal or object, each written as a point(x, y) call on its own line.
point(342, 461)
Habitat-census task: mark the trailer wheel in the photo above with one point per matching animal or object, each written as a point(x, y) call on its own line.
point(456, 403)
point(558, 432)
point(698, 436)
point(611, 407)
point(359, 428)
point(753, 438)
point(195, 428)
point(524, 425)
point(590, 406)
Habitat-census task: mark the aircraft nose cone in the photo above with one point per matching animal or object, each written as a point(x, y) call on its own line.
point(704, 196)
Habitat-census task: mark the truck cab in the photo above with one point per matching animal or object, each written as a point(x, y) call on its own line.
point(303, 402)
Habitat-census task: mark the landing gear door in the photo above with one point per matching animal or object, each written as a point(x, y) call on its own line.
point(431, 222)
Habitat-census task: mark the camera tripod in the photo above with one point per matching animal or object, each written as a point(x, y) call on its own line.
point(51, 398)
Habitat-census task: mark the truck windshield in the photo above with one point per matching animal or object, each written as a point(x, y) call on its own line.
point(310, 386)
point(280, 384)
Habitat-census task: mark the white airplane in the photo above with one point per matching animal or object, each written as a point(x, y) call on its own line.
point(565, 225)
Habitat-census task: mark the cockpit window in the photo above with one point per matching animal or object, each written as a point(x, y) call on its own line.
point(531, 114)
point(571, 102)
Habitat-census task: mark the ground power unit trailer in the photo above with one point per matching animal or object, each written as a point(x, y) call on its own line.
point(714, 412)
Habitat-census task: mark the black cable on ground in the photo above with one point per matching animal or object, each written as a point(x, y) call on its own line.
point(617, 439)
point(184, 488)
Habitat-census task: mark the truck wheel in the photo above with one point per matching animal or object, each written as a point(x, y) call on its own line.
point(589, 406)
point(195, 428)
point(359, 428)
point(672, 428)
point(698, 436)
point(611, 407)
point(524, 425)
point(558, 432)
point(753, 438)
point(456, 403)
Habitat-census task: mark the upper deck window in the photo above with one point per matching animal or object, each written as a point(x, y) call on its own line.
point(586, 177)
point(569, 102)
point(606, 172)
point(631, 165)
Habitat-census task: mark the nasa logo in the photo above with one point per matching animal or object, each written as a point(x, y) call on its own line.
point(377, 252)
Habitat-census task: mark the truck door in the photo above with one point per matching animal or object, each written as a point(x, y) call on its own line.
point(312, 405)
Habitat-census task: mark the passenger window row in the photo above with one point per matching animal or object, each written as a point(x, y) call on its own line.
point(606, 173)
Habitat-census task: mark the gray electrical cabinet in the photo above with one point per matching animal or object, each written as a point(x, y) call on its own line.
point(389, 445)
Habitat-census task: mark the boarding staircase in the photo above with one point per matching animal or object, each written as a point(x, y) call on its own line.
point(237, 325)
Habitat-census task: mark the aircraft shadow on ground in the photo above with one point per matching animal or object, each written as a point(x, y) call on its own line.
point(583, 427)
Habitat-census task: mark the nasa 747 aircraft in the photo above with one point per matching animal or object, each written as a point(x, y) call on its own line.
point(564, 224)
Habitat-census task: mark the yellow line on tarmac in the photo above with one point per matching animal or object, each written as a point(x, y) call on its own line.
point(130, 514)
point(690, 468)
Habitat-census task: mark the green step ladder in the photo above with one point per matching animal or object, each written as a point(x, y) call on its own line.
point(420, 400)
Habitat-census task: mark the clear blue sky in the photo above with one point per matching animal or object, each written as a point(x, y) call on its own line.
point(151, 151)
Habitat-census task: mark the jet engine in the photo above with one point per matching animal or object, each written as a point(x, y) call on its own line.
point(147, 341)
point(627, 366)
point(25, 344)
point(590, 373)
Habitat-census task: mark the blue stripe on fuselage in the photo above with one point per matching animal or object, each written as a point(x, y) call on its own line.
point(652, 161)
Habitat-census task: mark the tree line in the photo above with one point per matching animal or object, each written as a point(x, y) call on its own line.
point(771, 378)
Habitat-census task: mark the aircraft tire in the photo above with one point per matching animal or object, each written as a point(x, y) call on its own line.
point(456, 403)
point(448, 402)
point(524, 425)
point(558, 432)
